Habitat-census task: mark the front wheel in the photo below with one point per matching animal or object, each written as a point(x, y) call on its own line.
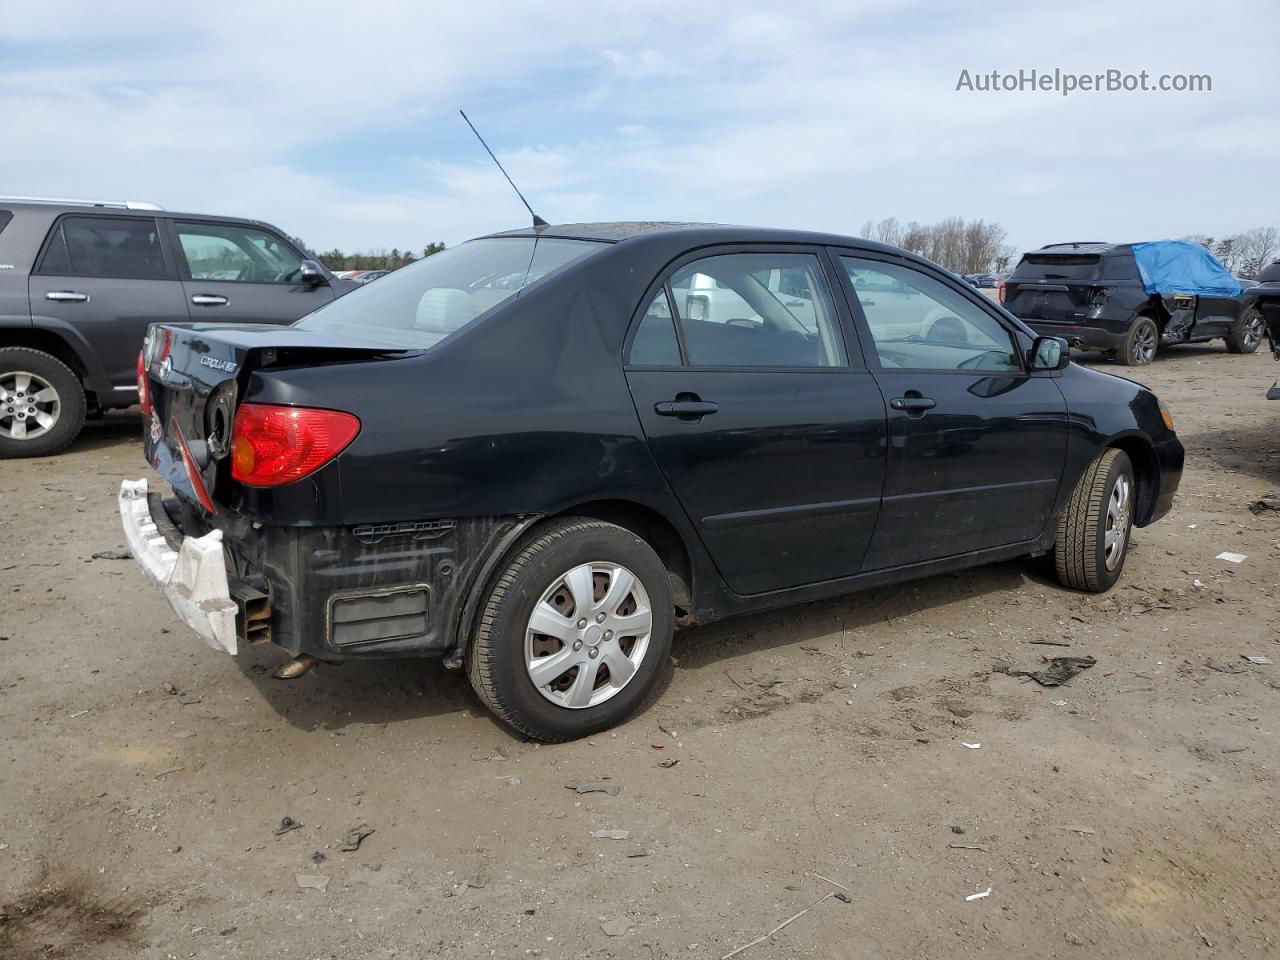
point(1140, 343)
point(1246, 333)
point(1093, 530)
point(574, 631)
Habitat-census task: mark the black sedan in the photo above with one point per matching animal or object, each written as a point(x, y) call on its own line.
point(535, 454)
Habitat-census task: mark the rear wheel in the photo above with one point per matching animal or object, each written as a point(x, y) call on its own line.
point(1093, 530)
point(574, 631)
point(42, 403)
point(1140, 343)
point(1246, 333)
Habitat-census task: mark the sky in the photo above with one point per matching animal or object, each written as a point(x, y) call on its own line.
point(338, 121)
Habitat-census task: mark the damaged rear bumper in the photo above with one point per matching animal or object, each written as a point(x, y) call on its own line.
point(193, 577)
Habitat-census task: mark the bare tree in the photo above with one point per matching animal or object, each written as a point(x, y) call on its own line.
point(868, 230)
point(1229, 253)
point(1258, 247)
point(915, 238)
point(888, 231)
point(1200, 238)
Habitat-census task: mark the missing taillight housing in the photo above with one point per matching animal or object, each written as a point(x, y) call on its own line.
point(144, 383)
point(274, 445)
point(1001, 293)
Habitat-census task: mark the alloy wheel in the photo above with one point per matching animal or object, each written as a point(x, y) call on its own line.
point(1144, 344)
point(588, 635)
point(29, 406)
point(1251, 335)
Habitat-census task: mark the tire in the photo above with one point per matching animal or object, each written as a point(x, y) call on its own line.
point(1140, 343)
point(42, 404)
point(1085, 557)
point(506, 648)
point(1246, 333)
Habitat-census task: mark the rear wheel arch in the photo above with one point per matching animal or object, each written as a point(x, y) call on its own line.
point(47, 341)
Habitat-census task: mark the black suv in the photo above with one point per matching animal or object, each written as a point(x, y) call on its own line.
point(1262, 305)
point(81, 280)
point(1092, 295)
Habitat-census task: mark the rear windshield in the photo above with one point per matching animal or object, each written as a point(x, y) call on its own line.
point(419, 305)
point(1057, 266)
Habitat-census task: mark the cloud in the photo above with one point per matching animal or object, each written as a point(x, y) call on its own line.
point(342, 128)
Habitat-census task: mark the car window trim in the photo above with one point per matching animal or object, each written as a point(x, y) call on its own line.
point(664, 276)
point(869, 352)
point(184, 267)
point(55, 231)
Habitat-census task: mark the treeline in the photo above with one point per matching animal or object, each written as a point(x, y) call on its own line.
point(1244, 254)
point(959, 245)
point(393, 259)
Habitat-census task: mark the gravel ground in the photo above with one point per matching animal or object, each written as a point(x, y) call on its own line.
point(1132, 812)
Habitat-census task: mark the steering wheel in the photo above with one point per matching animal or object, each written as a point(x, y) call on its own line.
point(949, 330)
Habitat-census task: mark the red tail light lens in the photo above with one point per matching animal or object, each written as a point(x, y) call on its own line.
point(1002, 294)
point(272, 445)
point(144, 384)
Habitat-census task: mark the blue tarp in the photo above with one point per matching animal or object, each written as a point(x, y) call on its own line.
point(1173, 266)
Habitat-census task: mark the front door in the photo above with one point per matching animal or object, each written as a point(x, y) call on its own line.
point(976, 443)
point(772, 440)
point(235, 273)
point(107, 279)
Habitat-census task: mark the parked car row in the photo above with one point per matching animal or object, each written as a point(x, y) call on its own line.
point(82, 280)
point(361, 276)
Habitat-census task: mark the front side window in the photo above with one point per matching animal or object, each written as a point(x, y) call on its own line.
point(918, 322)
point(122, 247)
point(421, 304)
point(757, 310)
point(227, 251)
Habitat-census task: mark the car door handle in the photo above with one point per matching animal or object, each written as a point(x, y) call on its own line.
point(209, 300)
point(912, 404)
point(685, 408)
point(66, 296)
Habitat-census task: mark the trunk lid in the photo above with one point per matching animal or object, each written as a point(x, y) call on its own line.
point(197, 374)
point(1054, 288)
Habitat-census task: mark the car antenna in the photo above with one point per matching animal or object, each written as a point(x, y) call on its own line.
point(537, 220)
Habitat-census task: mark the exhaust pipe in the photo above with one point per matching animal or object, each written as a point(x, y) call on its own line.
point(295, 668)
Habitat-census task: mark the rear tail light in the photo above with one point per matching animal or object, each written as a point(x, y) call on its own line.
point(1002, 291)
point(272, 445)
point(144, 384)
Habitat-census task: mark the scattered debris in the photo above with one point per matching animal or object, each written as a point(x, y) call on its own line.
point(967, 846)
point(318, 857)
point(971, 746)
point(286, 824)
point(784, 923)
point(1261, 661)
point(978, 896)
point(617, 928)
point(1202, 936)
point(1269, 501)
point(1087, 831)
point(844, 898)
point(594, 786)
point(352, 838)
point(1224, 666)
point(668, 763)
point(113, 555)
point(310, 881)
point(611, 834)
point(462, 886)
point(164, 773)
point(636, 853)
point(1051, 643)
point(818, 876)
point(1230, 557)
point(1234, 749)
point(81, 713)
point(1060, 670)
point(956, 828)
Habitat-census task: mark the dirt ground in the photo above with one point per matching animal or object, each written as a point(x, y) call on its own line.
point(1132, 812)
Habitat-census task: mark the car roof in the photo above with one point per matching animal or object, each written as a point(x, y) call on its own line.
point(695, 234)
point(1085, 246)
point(114, 210)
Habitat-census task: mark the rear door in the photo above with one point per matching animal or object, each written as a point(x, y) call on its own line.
point(108, 277)
point(769, 430)
point(242, 273)
point(976, 443)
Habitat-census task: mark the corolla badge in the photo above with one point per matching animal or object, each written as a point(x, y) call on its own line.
point(226, 366)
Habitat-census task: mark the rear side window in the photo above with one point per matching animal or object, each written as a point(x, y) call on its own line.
point(122, 247)
point(1119, 268)
point(420, 305)
point(5, 217)
point(757, 310)
point(655, 344)
point(1057, 266)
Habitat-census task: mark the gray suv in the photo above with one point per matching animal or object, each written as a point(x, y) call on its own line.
point(80, 281)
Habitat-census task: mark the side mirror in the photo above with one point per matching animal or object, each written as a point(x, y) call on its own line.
point(312, 273)
point(1050, 353)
